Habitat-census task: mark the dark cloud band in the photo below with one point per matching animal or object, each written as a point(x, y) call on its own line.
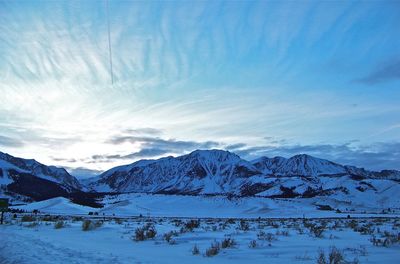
point(384, 72)
point(10, 142)
point(378, 156)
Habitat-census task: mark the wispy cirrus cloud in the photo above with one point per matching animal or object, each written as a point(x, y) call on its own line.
point(21, 136)
point(143, 131)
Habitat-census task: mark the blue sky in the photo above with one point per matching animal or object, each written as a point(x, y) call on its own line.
point(254, 77)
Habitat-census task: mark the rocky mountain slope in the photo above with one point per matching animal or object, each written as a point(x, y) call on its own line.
point(214, 172)
point(27, 179)
point(207, 172)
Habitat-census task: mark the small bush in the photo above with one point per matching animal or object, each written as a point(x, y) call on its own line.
point(321, 259)
point(87, 225)
point(189, 225)
point(386, 242)
point(195, 250)
point(387, 239)
point(59, 224)
point(139, 234)
point(392, 237)
point(375, 241)
point(352, 224)
point(335, 256)
point(151, 232)
point(28, 218)
point(192, 224)
point(227, 243)
point(253, 244)
point(213, 249)
point(90, 225)
point(146, 232)
point(49, 218)
point(244, 225)
point(168, 237)
point(261, 235)
point(177, 222)
point(317, 230)
point(230, 221)
point(266, 236)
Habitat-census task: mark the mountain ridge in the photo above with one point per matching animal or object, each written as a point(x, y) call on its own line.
point(204, 172)
point(223, 172)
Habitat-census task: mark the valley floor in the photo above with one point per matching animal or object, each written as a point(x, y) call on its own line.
point(157, 205)
point(34, 239)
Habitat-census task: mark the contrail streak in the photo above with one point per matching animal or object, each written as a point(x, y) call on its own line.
point(109, 43)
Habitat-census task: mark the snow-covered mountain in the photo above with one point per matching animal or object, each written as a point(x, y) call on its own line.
point(223, 172)
point(268, 165)
point(211, 171)
point(28, 178)
point(299, 165)
point(306, 165)
point(206, 172)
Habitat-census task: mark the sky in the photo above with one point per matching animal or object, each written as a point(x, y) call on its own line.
point(258, 78)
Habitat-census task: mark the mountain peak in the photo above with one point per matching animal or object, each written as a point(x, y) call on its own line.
point(307, 165)
point(201, 171)
point(302, 156)
point(298, 165)
point(212, 154)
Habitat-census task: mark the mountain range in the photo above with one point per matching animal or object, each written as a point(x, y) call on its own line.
point(202, 172)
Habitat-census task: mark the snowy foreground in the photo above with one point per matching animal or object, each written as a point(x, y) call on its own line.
point(185, 229)
point(175, 240)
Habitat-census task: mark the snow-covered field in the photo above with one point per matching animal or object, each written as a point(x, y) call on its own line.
point(135, 204)
point(281, 235)
point(274, 240)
